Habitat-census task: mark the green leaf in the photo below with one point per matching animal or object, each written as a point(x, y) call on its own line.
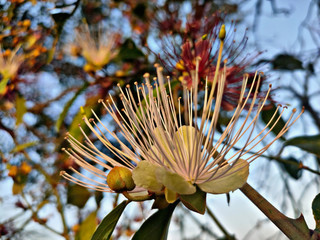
point(140, 10)
point(77, 195)
point(87, 227)
point(160, 202)
point(129, 51)
point(3, 84)
point(286, 62)
point(20, 109)
point(267, 115)
point(310, 144)
point(107, 225)
point(60, 17)
point(195, 202)
point(68, 105)
point(156, 227)
point(98, 196)
point(74, 130)
point(316, 210)
point(291, 166)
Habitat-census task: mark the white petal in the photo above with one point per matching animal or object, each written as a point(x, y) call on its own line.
point(231, 180)
point(144, 176)
point(174, 182)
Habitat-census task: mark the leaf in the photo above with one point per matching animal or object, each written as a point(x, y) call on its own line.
point(286, 62)
point(3, 85)
point(98, 196)
point(60, 17)
point(23, 146)
point(129, 51)
point(17, 188)
point(20, 109)
point(291, 166)
point(310, 144)
point(107, 225)
point(77, 195)
point(140, 10)
point(74, 130)
point(316, 210)
point(160, 202)
point(195, 202)
point(156, 227)
point(87, 227)
point(68, 105)
point(267, 115)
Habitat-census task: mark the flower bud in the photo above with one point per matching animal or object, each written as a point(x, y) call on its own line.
point(120, 179)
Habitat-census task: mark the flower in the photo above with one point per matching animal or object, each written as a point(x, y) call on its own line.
point(201, 42)
point(10, 62)
point(172, 152)
point(98, 51)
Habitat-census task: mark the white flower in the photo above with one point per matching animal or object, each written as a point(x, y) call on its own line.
point(172, 151)
point(97, 50)
point(10, 64)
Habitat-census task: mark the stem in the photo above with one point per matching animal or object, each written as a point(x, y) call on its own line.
point(295, 229)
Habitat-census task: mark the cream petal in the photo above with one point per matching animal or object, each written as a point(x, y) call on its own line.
point(231, 180)
point(174, 182)
point(144, 176)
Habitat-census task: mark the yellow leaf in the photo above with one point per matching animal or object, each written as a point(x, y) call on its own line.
point(17, 188)
point(20, 109)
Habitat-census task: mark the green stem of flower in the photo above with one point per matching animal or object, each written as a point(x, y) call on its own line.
point(295, 229)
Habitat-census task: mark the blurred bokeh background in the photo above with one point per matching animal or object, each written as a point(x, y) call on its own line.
point(57, 56)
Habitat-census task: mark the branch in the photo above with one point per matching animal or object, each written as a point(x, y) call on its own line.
point(294, 229)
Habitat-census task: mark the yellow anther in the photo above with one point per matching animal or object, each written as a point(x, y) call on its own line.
point(222, 33)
